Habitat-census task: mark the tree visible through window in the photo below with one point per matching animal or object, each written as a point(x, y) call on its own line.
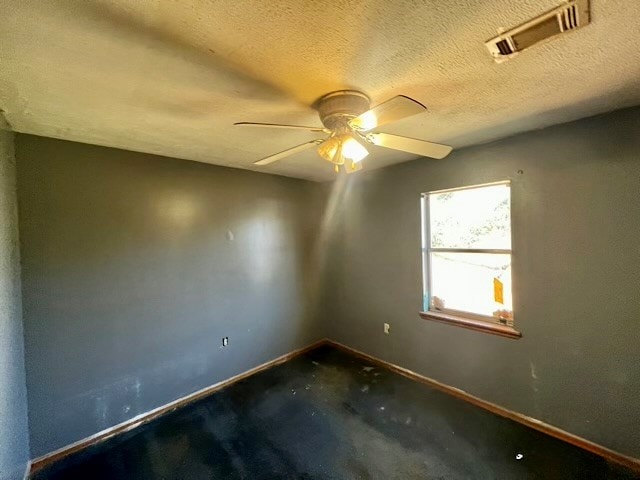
point(467, 252)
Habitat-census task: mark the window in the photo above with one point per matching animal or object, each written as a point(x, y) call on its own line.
point(467, 257)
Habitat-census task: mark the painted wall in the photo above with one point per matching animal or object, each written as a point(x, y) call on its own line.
point(14, 446)
point(576, 267)
point(134, 268)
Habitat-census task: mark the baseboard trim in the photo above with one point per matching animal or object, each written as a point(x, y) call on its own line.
point(46, 460)
point(606, 453)
point(27, 471)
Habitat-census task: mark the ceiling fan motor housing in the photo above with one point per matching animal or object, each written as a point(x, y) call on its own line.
point(337, 108)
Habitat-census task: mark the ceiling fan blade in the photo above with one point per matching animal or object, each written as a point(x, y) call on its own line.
point(287, 152)
point(412, 145)
point(278, 125)
point(390, 111)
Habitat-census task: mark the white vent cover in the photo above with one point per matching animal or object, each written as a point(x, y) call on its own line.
point(565, 18)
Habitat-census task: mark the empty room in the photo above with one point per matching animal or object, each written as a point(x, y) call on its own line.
point(289, 239)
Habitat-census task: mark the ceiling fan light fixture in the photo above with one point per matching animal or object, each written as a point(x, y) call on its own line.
point(330, 150)
point(353, 150)
point(353, 167)
point(341, 149)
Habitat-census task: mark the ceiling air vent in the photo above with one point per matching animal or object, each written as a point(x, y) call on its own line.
point(565, 18)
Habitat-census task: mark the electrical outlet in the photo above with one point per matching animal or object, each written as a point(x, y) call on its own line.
point(225, 341)
point(386, 328)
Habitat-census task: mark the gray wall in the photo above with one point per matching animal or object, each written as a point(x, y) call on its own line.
point(14, 447)
point(134, 268)
point(576, 267)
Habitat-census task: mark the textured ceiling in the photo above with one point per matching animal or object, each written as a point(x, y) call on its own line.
point(171, 77)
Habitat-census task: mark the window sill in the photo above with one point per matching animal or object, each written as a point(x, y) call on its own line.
point(468, 323)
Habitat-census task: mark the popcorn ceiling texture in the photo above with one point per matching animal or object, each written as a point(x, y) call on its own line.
point(170, 77)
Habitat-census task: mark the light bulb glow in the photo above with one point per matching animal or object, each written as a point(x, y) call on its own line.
point(367, 121)
point(353, 150)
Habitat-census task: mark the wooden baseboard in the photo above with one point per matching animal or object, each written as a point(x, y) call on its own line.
point(46, 460)
point(606, 453)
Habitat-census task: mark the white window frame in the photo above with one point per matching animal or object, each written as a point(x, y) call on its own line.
point(427, 250)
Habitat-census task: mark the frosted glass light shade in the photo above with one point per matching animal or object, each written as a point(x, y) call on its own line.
point(341, 148)
point(353, 150)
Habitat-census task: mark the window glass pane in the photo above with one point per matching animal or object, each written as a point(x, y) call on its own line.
point(465, 281)
point(471, 218)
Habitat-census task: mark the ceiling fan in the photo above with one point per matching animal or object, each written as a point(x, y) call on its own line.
point(349, 121)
